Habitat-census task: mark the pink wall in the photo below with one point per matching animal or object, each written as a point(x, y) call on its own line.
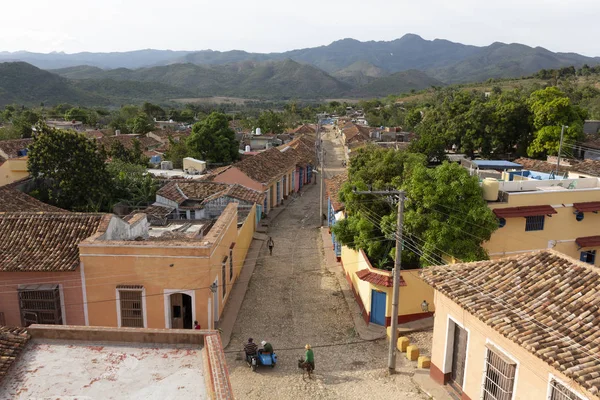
point(71, 285)
point(234, 175)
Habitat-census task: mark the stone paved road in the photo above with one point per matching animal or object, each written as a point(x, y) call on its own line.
point(292, 300)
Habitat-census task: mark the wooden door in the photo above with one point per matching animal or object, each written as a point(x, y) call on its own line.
point(459, 355)
point(378, 303)
point(177, 311)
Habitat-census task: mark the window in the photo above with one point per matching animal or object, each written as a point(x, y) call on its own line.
point(224, 276)
point(131, 309)
point(588, 256)
point(534, 223)
point(499, 376)
point(40, 304)
point(558, 391)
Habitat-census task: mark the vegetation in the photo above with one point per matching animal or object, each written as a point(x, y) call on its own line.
point(131, 184)
point(213, 141)
point(442, 204)
point(68, 170)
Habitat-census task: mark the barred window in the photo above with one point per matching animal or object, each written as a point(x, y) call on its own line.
point(558, 391)
point(535, 223)
point(132, 313)
point(40, 304)
point(499, 376)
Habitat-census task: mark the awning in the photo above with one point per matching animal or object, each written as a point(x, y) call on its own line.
point(525, 211)
point(591, 206)
point(377, 279)
point(588, 241)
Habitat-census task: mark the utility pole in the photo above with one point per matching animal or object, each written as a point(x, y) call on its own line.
point(396, 272)
point(562, 132)
point(321, 171)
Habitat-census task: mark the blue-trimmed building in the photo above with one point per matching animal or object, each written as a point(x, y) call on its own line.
point(335, 208)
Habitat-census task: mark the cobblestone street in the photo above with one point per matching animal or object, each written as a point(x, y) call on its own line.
point(293, 299)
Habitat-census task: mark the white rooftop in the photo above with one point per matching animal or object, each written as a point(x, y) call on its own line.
point(93, 370)
point(183, 226)
point(171, 173)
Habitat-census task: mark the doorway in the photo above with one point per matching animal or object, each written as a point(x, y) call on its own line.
point(181, 311)
point(378, 303)
point(459, 355)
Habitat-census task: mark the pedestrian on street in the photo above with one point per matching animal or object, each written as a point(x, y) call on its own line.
point(271, 244)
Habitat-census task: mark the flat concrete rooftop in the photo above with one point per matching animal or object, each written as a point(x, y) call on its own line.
point(50, 368)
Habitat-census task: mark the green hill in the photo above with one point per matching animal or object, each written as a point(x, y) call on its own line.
point(360, 73)
point(400, 82)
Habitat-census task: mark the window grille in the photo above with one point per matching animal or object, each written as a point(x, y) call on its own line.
point(535, 223)
point(132, 314)
point(40, 304)
point(559, 391)
point(499, 377)
point(588, 256)
point(224, 276)
point(231, 263)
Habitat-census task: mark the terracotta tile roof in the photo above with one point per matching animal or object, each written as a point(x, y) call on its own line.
point(587, 207)
point(588, 241)
point(31, 242)
point(13, 200)
point(525, 211)
point(305, 150)
point(333, 186)
point(12, 343)
point(267, 166)
point(9, 148)
point(95, 134)
point(377, 279)
point(211, 175)
point(546, 302)
point(356, 133)
point(592, 141)
point(203, 191)
point(304, 129)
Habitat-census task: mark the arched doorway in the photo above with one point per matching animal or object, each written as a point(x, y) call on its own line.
point(181, 311)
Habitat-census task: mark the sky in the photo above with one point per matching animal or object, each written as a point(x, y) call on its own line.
point(279, 25)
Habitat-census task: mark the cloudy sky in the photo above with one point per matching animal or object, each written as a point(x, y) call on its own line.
point(279, 25)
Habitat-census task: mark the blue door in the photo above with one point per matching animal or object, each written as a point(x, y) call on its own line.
point(301, 180)
point(378, 307)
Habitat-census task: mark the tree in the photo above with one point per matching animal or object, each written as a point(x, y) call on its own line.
point(134, 156)
point(140, 124)
point(132, 184)
point(444, 214)
point(153, 110)
point(271, 122)
point(413, 118)
point(23, 122)
point(213, 141)
point(177, 152)
point(551, 109)
point(77, 114)
point(68, 170)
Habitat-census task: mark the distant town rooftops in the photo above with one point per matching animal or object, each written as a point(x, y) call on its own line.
point(14, 148)
point(545, 301)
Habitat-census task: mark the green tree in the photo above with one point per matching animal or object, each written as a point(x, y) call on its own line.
point(213, 141)
point(552, 109)
point(176, 152)
point(24, 121)
point(77, 114)
point(413, 117)
point(154, 111)
point(68, 170)
point(132, 184)
point(140, 124)
point(271, 122)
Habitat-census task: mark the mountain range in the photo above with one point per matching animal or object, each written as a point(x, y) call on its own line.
point(345, 67)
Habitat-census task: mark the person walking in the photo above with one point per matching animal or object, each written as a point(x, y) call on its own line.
point(309, 360)
point(271, 244)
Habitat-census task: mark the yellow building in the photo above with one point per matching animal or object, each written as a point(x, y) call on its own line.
point(164, 277)
point(518, 328)
point(537, 214)
point(13, 160)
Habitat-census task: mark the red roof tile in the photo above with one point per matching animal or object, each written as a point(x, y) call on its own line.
point(587, 207)
point(526, 211)
point(333, 186)
point(588, 241)
point(10, 148)
point(12, 343)
point(545, 302)
point(13, 200)
point(377, 279)
point(34, 242)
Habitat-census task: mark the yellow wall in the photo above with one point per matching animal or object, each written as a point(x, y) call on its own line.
point(13, 170)
point(411, 295)
point(164, 267)
point(562, 227)
point(532, 373)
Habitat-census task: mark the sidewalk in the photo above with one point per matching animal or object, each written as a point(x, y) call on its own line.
point(238, 292)
point(366, 332)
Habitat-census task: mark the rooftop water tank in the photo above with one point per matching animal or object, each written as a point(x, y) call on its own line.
point(490, 188)
point(247, 149)
point(258, 131)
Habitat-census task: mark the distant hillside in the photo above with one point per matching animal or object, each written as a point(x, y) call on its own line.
point(501, 60)
point(360, 73)
point(400, 82)
point(25, 84)
point(347, 59)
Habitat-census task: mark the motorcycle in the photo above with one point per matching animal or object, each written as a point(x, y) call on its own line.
point(261, 358)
